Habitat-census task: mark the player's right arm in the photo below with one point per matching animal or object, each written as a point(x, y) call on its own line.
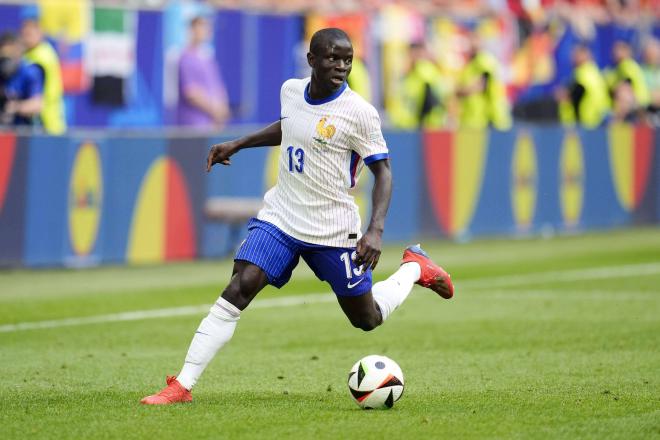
point(220, 153)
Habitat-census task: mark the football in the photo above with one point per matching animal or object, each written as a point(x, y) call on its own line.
point(375, 382)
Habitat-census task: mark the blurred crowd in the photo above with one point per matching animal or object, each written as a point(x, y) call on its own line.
point(476, 96)
point(583, 62)
point(423, 63)
point(31, 91)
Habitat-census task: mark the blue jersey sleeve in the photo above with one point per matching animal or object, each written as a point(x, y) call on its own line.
point(34, 84)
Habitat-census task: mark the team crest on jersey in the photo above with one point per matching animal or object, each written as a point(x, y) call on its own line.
point(325, 132)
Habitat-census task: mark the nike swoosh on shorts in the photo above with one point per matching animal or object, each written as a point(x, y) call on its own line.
point(350, 286)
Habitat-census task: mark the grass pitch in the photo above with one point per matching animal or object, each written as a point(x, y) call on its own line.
point(551, 338)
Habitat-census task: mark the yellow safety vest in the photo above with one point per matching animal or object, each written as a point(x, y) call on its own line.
point(491, 106)
point(628, 69)
point(52, 114)
point(406, 109)
point(595, 102)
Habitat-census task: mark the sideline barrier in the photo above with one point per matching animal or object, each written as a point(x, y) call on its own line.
point(87, 200)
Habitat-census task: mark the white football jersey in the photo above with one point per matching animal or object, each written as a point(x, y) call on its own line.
point(325, 144)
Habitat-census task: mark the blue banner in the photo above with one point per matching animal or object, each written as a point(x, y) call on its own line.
point(87, 200)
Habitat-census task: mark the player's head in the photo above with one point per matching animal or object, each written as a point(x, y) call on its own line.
point(331, 57)
point(200, 30)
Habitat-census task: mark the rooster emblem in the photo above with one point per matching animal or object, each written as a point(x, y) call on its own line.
point(324, 131)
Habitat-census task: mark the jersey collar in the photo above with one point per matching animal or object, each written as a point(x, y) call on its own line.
point(329, 98)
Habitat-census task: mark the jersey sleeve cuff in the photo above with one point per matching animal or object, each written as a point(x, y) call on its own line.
point(375, 158)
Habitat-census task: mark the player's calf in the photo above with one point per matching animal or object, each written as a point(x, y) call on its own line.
point(361, 311)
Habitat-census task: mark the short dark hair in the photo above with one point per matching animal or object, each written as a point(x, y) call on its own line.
point(323, 37)
point(8, 38)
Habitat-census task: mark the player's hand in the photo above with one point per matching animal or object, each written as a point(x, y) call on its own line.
point(220, 153)
point(368, 250)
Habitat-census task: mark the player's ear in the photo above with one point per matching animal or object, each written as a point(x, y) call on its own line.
point(310, 59)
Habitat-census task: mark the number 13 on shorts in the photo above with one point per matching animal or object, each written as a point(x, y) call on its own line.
point(347, 258)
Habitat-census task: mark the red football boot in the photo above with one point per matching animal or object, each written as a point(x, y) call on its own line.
point(432, 276)
point(174, 392)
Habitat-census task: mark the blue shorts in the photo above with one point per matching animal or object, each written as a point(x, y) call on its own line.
point(277, 254)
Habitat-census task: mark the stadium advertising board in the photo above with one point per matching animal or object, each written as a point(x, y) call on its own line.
point(13, 173)
point(524, 181)
point(79, 201)
point(85, 199)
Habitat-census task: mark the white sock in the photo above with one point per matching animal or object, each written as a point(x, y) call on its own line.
point(214, 332)
point(391, 293)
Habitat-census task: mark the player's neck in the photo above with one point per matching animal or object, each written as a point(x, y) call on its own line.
point(317, 92)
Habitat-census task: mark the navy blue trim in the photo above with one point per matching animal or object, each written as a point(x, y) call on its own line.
point(329, 98)
point(375, 158)
point(355, 158)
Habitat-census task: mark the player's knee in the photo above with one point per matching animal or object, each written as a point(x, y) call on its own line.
point(243, 287)
point(249, 281)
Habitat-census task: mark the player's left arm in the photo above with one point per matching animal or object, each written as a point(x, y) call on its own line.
point(369, 246)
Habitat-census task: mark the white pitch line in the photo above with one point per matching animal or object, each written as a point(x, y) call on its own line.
point(316, 298)
point(570, 294)
point(138, 315)
point(562, 276)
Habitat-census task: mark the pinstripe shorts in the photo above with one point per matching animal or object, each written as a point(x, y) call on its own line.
point(277, 254)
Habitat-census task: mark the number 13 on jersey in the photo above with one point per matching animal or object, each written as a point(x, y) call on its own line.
point(296, 159)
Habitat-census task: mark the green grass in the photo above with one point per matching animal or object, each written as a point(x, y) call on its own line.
point(526, 359)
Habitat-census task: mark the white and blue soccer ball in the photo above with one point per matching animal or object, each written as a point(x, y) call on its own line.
point(375, 382)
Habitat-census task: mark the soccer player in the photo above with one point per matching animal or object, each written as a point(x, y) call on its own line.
point(326, 132)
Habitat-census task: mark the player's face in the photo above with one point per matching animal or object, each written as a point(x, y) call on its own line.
point(331, 67)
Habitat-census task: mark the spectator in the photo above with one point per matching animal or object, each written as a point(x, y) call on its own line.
point(202, 94)
point(41, 53)
point(585, 100)
point(651, 70)
point(21, 85)
point(627, 84)
point(419, 102)
point(481, 92)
